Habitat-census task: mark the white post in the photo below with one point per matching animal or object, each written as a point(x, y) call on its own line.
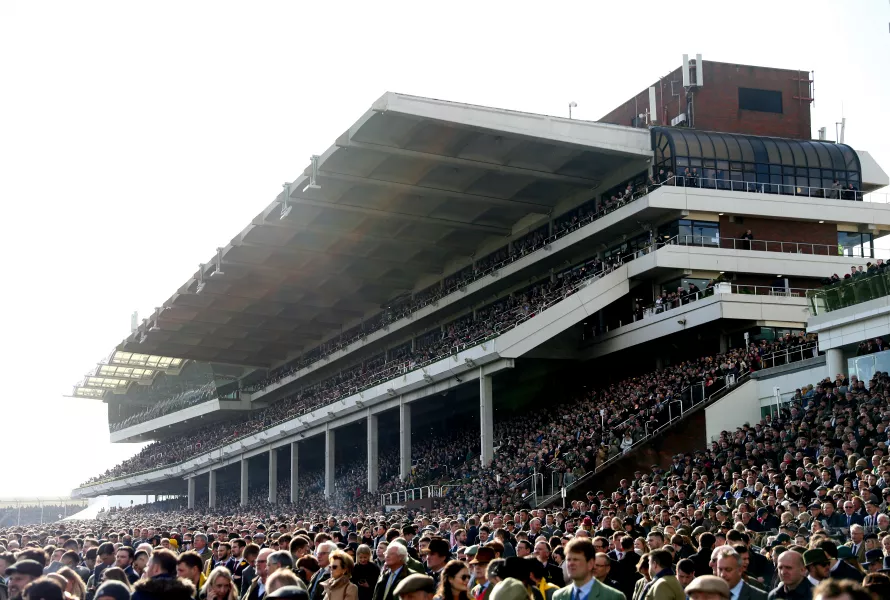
point(404, 439)
point(191, 492)
point(373, 467)
point(834, 360)
point(486, 419)
point(244, 481)
point(328, 461)
point(294, 472)
point(211, 493)
point(273, 476)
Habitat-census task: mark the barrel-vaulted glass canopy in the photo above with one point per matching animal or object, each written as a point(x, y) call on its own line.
point(761, 160)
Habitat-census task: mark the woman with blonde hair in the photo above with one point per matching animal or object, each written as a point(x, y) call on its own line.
point(219, 585)
point(75, 585)
point(338, 587)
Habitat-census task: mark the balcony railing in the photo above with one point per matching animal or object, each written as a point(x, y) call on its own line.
point(849, 292)
point(783, 189)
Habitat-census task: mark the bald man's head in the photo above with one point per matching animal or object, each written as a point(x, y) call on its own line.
point(791, 568)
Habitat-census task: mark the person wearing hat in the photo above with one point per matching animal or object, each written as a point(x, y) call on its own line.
point(293, 592)
point(817, 563)
point(395, 562)
point(479, 565)
point(112, 590)
point(437, 557)
point(874, 561)
point(416, 587)
point(20, 574)
point(708, 587)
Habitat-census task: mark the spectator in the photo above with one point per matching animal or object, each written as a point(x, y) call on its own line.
point(339, 586)
point(161, 582)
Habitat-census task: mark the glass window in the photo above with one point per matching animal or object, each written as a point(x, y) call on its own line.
point(760, 100)
point(855, 244)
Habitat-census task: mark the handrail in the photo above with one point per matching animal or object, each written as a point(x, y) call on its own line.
point(672, 418)
point(849, 292)
point(706, 241)
point(786, 354)
point(782, 189)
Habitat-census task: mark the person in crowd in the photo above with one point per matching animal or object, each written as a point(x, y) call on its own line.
point(160, 581)
point(708, 587)
point(729, 568)
point(189, 566)
point(415, 587)
point(219, 585)
point(365, 572)
point(454, 582)
point(20, 574)
point(395, 570)
point(339, 586)
point(581, 561)
point(664, 584)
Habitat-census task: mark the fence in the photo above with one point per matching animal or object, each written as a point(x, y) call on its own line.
point(849, 292)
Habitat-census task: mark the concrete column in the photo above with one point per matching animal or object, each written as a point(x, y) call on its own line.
point(724, 343)
point(243, 482)
point(404, 439)
point(273, 476)
point(486, 418)
point(328, 462)
point(294, 472)
point(373, 472)
point(191, 492)
point(211, 496)
point(834, 359)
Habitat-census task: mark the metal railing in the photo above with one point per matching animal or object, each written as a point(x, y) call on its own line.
point(782, 189)
point(848, 292)
point(658, 308)
point(417, 493)
point(706, 241)
point(790, 355)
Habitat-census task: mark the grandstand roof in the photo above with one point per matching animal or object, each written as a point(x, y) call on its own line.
point(411, 186)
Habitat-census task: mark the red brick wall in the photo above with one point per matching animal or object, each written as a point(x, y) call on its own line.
point(777, 230)
point(717, 102)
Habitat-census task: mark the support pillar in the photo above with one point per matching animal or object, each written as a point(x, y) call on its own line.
point(211, 495)
point(328, 462)
point(486, 419)
point(373, 472)
point(294, 472)
point(834, 359)
point(191, 492)
point(404, 439)
point(724, 343)
point(243, 482)
point(273, 476)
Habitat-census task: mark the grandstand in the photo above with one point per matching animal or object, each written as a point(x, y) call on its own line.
point(444, 264)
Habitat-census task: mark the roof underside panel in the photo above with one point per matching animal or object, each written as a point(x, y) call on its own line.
point(413, 185)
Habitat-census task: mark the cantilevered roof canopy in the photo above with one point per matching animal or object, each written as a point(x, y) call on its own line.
point(121, 369)
point(414, 184)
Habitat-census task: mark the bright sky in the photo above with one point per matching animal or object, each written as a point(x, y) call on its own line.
point(135, 138)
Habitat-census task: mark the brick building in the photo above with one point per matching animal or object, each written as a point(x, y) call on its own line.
point(734, 99)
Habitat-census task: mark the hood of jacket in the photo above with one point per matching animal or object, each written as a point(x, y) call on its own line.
point(168, 588)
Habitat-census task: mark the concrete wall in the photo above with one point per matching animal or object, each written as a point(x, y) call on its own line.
point(853, 324)
point(743, 405)
point(717, 102)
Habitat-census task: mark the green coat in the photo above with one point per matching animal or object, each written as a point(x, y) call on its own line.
point(666, 588)
point(597, 592)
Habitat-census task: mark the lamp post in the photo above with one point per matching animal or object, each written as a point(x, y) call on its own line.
point(572, 105)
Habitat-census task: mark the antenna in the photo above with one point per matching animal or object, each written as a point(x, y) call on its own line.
point(685, 70)
point(840, 135)
point(699, 71)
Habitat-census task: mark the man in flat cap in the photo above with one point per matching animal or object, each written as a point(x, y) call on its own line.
point(416, 587)
point(708, 587)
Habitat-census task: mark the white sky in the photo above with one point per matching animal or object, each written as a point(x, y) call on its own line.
point(135, 138)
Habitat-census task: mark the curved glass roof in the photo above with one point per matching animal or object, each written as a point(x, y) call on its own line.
point(819, 162)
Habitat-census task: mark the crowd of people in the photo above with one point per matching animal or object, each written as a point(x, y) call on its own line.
point(37, 514)
point(173, 403)
point(560, 442)
point(796, 506)
point(524, 245)
point(467, 331)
